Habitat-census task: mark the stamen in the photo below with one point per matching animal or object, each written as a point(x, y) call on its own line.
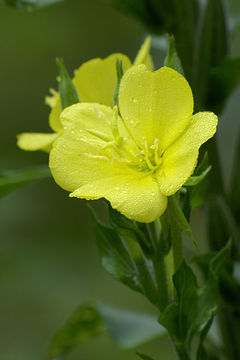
point(146, 154)
point(99, 134)
point(156, 154)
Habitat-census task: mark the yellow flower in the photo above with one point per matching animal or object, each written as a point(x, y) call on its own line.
point(95, 81)
point(138, 159)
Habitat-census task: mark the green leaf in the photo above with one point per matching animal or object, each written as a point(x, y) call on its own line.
point(220, 260)
point(114, 255)
point(164, 244)
point(68, 93)
point(194, 180)
point(143, 356)
point(209, 295)
point(224, 79)
point(170, 320)
point(84, 324)
point(119, 70)
point(30, 5)
point(172, 60)
point(186, 285)
point(201, 352)
point(212, 49)
point(194, 308)
point(128, 329)
point(196, 194)
point(124, 259)
point(143, 11)
point(234, 189)
point(170, 15)
point(13, 179)
point(178, 220)
point(127, 228)
point(179, 316)
point(166, 16)
point(222, 225)
point(203, 262)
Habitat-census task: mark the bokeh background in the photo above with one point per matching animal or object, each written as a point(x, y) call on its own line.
point(48, 258)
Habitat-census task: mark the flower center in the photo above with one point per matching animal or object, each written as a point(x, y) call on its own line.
point(118, 148)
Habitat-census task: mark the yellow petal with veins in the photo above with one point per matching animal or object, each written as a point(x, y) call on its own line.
point(81, 162)
point(79, 156)
point(155, 104)
point(96, 79)
point(135, 196)
point(179, 160)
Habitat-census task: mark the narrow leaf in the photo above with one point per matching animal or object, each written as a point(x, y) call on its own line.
point(201, 352)
point(128, 329)
point(123, 258)
point(219, 261)
point(119, 70)
point(224, 79)
point(84, 324)
point(68, 93)
point(212, 49)
point(234, 190)
point(30, 5)
point(127, 228)
point(166, 16)
point(177, 216)
point(13, 179)
point(170, 320)
point(223, 225)
point(196, 195)
point(114, 255)
point(172, 60)
point(209, 295)
point(187, 291)
point(170, 15)
point(143, 356)
point(142, 10)
point(194, 180)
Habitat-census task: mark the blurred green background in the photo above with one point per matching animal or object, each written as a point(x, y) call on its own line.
point(48, 259)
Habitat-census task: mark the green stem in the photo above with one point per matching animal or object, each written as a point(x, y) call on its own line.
point(177, 248)
point(169, 263)
point(162, 281)
point(216, 177)
point(181, 351)
point(143, 271)
point(176, 232)
point(230, 330)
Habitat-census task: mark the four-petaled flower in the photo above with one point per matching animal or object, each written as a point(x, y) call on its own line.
point(94, 81)
point(135, 156)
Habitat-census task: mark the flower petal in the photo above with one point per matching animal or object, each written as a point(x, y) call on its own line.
point(155, 104)
point(96, 79)
point(143, 55)
point(78, 156)
point(179, 160)
point(136, 196)
point(36, 141)
point(54, 117)
point(51, 99)
point(80, 162)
